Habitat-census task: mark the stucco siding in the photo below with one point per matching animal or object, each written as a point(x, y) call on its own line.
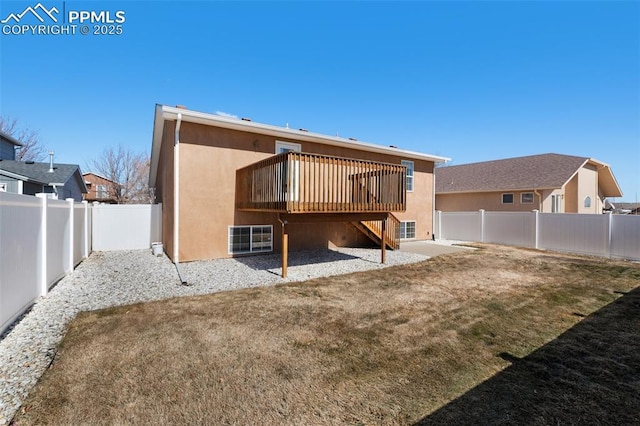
point(489, 201)
point(571, 195)
point(164, 187)
point(209, 158)
point(587, 187)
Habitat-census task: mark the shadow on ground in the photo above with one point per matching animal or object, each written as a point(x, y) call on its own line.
point(297, 258)
point(588, 375)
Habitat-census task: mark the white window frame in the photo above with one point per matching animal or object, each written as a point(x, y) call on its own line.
point(522, 201)
point(102, 191)
point(410, 166)
point(507, 193)
point(251, 250)
point(282, 146)
point(403, 230)
point(293, 193)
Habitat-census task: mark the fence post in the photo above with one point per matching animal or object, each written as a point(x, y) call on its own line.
point(536, 227)
point(85, 230)
point(70, 202)
point(609, 232)
point(481, 225)
point(43, 245)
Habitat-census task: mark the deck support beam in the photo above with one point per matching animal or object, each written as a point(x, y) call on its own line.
point(383, 243)
point(285, 246)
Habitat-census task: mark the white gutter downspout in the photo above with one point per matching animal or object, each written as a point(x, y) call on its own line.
point(535, 191)
point(176, 198)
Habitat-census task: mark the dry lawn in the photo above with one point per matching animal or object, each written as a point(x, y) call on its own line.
point(469, 338)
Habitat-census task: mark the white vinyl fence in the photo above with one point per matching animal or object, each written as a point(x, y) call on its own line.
point(126, 226)
point(607, 235)
point(42, 240)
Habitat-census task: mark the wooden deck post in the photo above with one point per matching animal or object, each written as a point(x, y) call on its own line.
point(383, 247)
point(285, 248)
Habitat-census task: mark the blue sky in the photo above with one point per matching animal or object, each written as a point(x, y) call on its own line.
point(473, 81)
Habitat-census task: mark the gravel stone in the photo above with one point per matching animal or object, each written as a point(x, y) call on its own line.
point(115, 278)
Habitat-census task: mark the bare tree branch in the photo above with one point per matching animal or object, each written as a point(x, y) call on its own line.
point(32, 148)
point(129, 173)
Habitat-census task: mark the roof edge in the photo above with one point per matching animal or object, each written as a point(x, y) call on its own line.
point(487, 191)
point(166, 113)
point(11, 139)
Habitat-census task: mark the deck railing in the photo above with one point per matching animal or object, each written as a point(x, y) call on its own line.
point(392, 230)
point(295, 182)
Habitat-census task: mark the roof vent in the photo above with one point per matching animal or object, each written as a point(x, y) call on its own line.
point(392, 146)
point(51, 154)
point(181, 107)
point(353, 139)
point(29, 162)
point(245, 119)
point(304, 130)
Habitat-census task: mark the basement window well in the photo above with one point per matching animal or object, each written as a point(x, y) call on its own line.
point(250, 239)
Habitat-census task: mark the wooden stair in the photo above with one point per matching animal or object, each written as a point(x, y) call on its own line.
point(373, 230)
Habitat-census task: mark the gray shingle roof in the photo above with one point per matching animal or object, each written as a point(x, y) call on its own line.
point(544, 171)
point(39, 172)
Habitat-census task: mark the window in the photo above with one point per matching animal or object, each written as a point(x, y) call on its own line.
point(587, 202)
point(507, 198)
point(102, 191)
point(526, 198)
point(555, 203)
point(287, 147)
point(409, 165)
point(250, 239)
point(292, 192)
point(408, 229)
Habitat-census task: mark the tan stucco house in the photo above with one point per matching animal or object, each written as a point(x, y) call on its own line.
point(233, 187)
point(547, 183)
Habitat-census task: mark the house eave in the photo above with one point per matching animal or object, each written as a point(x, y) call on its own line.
point(11, 139)
point(20, 177)
point(487, 191)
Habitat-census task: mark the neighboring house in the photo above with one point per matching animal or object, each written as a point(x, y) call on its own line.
point(623, 208)
point(8, 145)
point(231, 186)
point(547, 183)
point(30, 178)
point(99, 188)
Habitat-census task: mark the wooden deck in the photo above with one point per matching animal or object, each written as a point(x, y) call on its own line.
point(296, 182)
point(309, 188)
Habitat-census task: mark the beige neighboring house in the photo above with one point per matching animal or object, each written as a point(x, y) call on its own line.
point(231, 187)
point(547, 182)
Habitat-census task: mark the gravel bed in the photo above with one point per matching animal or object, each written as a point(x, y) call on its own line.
point(123, 277)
